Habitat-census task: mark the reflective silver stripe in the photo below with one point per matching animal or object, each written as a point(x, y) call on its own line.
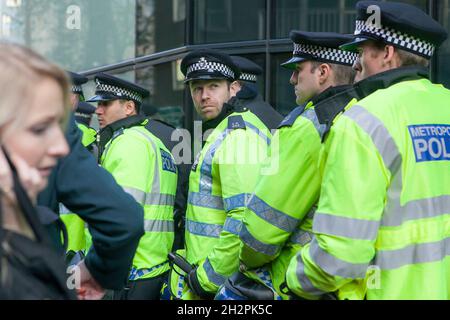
point(63, 210)
point(271, 215)
point(311, 115)
point(304, 280)
point(414, 254)
point(345, 227)
point(150, 198)
point(204, 229)
point(258, 132)
point(301, 237)
point(213, 276)
point(206, 168)
point(236, 201)
point(334, 266)
point(205, 200)
point(380, 136)
point(232, 226)
point(258, 246)
point(396, 214)
point(160, 199)
point(158, 226)
point(156, 185)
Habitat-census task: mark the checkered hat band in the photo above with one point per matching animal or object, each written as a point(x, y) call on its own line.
point(83, 115)
point(211, 67)
point(329, 54)
point(396, 38)
point(119, 92)
point(77, 89)
point(248, 77)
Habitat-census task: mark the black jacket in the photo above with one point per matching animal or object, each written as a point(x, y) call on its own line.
point(115, 219)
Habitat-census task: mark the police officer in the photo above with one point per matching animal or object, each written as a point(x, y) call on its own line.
point(168, 135)
point(77, 94)
point(222, 175)
point(145, 168)
point(322, 76)
point(249, 96)
point(384, 200)
point(83, 117)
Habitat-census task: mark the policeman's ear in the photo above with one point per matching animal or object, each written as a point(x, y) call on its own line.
point(235, 87)
point(130, 108)
point(390, 57)
point(324, 73)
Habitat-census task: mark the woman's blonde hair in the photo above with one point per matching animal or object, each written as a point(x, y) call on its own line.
point(20, 70)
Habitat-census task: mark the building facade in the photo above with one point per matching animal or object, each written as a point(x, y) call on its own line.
point(145, 40)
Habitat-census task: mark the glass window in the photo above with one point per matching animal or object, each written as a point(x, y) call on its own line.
point(77, 34)
point(443, 75)
point(166, 92)
point(319, 15)
point(229, 20)
point(282, 92)
point(155, 20)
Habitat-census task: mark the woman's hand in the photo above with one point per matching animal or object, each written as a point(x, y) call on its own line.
point(30, 178)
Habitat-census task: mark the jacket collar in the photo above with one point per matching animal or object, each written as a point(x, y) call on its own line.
point(388, 78)
point(332, 101)
point(108, 132)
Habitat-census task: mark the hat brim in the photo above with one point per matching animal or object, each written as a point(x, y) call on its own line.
point(354, 45)
point(292, 63)
point(206, 77)
point(102, 97)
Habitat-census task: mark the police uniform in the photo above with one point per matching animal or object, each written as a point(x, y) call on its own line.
point(220, 180)
point(249, 97)
point(285, 216)
point(145, 168)
point(383, 213)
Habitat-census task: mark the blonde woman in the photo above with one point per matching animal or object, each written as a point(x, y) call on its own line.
point(34, 107)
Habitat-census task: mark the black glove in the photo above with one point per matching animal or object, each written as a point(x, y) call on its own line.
point(196, 287)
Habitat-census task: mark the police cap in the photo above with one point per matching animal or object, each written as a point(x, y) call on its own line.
point(399, 24)
point(84, 111)
point(249, 70)
point(110, 88)
point(207, 65)
point(77, 81)
point(319, 46)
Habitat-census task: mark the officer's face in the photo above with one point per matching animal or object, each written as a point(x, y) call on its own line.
point(74, 100)
point(210, 95)
point(305, 81)
point(39, 140)
point(370, 61)
point(109, 112)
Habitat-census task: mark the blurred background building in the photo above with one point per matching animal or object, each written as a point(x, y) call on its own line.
point(144, 40)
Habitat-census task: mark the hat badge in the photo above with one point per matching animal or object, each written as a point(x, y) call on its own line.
point(202, 62)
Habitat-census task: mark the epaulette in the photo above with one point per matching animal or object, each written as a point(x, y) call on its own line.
point(236, 122)
point(290, 119)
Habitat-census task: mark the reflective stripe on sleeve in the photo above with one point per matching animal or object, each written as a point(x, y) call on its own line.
point(204, 229)
point(345, 227)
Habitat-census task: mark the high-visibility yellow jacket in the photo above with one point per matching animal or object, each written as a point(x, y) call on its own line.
point(143, 166)
point(384, 212)
point(223, 176)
